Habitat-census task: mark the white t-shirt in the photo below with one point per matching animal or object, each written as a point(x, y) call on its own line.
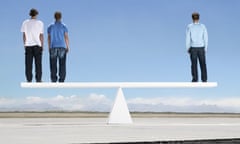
point(32, 29)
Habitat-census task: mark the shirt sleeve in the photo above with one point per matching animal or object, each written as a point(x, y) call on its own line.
point(23, 27)
point(42, 29)
point(49, 29)
point(188, 38)
point(65, 29)
point(205, 38)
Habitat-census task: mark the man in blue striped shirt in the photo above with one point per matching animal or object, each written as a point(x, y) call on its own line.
point(197, 43)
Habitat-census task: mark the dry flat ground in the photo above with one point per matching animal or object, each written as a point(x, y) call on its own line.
point(91, 127)
point(105, 115)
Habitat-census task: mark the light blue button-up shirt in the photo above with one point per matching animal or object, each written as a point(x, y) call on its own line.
point(196, 36)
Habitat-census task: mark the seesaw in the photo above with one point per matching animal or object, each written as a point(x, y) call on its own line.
point(120, 112)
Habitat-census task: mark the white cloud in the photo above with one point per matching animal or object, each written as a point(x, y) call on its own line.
point(96, 97)
point(6, 102)
point(99, 102)
point(187, 101)
point(93, 102)
point(171, 101)
point(34, 99)
point(185, 104)
point(224, 102)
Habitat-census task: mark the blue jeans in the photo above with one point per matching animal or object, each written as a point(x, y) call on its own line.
point(58, 55)
point(198, 54)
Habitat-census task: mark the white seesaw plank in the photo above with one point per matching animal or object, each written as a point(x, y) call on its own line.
point(120, 85)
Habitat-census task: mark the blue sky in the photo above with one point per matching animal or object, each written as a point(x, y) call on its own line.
point(126, 40)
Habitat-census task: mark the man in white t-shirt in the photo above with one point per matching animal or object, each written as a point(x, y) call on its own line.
point(32, 30)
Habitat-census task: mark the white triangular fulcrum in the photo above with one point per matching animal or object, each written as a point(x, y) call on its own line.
point(119, 113)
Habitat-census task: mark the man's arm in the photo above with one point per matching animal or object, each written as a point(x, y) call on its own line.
point(205, 36)
point(41, 39)
point(188, 39)
point(24, 38)
point(49, 42)
point(66, 41)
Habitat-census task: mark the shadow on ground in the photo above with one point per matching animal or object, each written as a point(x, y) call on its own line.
point(210, 141)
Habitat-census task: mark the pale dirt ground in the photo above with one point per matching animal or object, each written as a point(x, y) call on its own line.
point(78, 128)
point(105, 115)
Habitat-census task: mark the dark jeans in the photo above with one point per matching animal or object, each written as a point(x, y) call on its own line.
point(58, 55)
point(198, 54)
point(33, 53)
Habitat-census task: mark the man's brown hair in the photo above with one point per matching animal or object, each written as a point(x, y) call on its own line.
point(33, 12)
point(58, 16)
point(195, 16)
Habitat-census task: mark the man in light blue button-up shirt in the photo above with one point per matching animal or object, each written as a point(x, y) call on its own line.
point(197, 44)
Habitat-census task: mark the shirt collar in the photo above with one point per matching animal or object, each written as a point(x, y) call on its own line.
point(57, 21)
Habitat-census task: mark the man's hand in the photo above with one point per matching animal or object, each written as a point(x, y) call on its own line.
point(67, 49)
